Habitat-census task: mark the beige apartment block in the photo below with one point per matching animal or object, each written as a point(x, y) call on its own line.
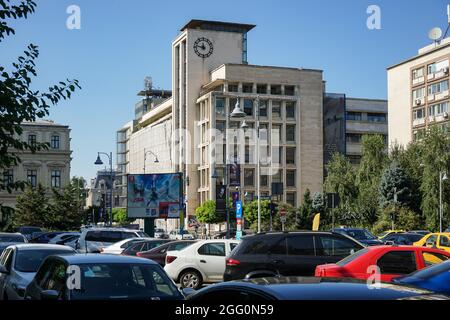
point(50, 168)
point(418, 93)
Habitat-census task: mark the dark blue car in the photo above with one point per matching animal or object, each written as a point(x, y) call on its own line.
point(359, 234)
point(435, 278)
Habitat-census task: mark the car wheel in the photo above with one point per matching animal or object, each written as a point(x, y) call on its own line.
point(191, 279)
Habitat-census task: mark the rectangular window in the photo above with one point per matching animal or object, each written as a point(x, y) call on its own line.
point(353, 137)
point(8, 176)
point(233, 87)
point(56, 179)
point(54, 142)
point(419, 93)
point(277, 177)
point(376, 117)
point(275, 89)
point(354, 116)
point(301, 245)
point(291, 198)
point(276, 109)
point(290, 155)
point(290, 178)
point(248, 107)
point(263, 108)
point(249, 177)
point(397, 262)
point(417, 73)
point(263, 181)
point(32, 139)
point(437, 66)
point(438, 87)
point(289, 90)
point(290, 133)
point(290, 110)
point(438, 109)
point(261, 88)
point(220, 106)
point(32, 177)
point(247, 87)
point(276, 130)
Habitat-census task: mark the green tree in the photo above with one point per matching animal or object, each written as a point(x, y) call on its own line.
point(251, 215)
point(32, 208)
point(121, 217)
point(395, 180)
point(18, 102)
point(206, 213)
point(305, 216)
point(64, 210)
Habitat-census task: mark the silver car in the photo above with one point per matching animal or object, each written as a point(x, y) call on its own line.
point(20, 262)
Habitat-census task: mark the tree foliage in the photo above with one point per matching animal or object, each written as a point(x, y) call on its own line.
point(120, 216)
point(395, 180)
point(207, 213)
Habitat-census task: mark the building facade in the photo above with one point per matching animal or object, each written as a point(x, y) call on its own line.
point(50, 168)
point(347, 119)
point(418, 93)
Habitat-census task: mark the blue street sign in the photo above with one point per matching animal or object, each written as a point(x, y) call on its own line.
point(238, 234)
point(238, 209)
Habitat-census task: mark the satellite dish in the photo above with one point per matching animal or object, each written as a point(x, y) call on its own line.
point(435, 34)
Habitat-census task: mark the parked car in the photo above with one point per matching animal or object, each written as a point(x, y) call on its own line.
point(118, 247)
point(7, 239)
point(160, 234)
point(158, 254)
point(435, 278)
point(178, 235)
point(70, 242)
point(19, 263)
point(201, 262)
point(388, 232)
point(406, 238)
point(362, 235)
point(305, 288)
point(102, 277)
point(435, 240)
point(422, 232)
point(92, 240)
point(144, 245)
point(392, 261)
point(60, 238)
point(223, 234)
point(287, 254)
point(28, 231)
point(45, 237)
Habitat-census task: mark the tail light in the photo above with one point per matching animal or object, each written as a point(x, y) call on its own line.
point(138, 254)
point(232, 262)
point(170, 259)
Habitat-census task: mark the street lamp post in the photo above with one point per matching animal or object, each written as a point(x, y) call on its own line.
point(145, 156)
point(442, 178)
point(100, 162)
point(258, 195)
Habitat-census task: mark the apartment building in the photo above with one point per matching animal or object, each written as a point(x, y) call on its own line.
point(50, 168)
point(210, 77)
point(418, 93)
point(347, 119)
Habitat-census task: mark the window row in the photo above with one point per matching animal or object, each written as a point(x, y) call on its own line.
point(32, 177)
point(434, 88)
point(274, 89)
point(370, 117)
point(433, 110)
point(431, 69)
point(249, 106)
point(54, 141)
point(357, 137)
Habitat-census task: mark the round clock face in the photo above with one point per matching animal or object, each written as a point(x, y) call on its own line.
point(203, 47)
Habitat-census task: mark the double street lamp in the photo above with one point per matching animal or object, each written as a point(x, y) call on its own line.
point(100, 162)
point(145, 157)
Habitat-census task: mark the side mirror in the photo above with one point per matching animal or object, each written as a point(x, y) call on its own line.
point(187, 292)
point(49, 295)
point(3, 270)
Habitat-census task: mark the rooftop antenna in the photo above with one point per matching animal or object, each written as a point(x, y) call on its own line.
point(148, 83)
point(435, 34)
point(448, 21)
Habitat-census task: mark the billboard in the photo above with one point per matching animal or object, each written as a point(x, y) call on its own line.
point(154, 195)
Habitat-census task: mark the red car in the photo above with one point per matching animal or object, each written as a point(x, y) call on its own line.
point(390, 261)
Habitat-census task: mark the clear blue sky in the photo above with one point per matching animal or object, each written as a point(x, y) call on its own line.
point(123, 41)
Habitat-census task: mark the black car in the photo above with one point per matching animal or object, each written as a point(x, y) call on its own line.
point(405, 238)
point(143, 245)
point(287, 254)
point(101, 277)
point(45, 237)
point(361, 235)
point(306, 288)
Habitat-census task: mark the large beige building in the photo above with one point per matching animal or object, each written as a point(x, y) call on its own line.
point(210, 75)
point(418, 93)
point(50, 168)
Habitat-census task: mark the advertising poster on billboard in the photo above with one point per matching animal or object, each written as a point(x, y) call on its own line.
point(154, 195)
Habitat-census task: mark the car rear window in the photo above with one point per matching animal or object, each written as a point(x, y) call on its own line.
point(11, 238)
point(30, 260)
point(109, 236)
point(264, 245)
point(352, 257)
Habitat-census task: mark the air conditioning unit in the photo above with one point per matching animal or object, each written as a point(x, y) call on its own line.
point(445, 70)
point(446, 115)
point(418, 102)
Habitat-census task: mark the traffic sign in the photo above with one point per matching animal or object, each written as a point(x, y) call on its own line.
point(238, 234)
point(238, 209)
point(283, 215)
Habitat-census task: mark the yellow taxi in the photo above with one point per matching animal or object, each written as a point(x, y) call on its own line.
point(389, 232)
point(435, 240)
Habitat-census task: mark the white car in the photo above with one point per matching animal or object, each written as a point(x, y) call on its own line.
point(118, 247)
point(201, 262)
point(177, 235)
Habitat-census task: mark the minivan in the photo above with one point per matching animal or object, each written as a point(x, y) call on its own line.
point(93, 240)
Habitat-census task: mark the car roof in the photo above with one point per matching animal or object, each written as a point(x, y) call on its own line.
point(316, 288)
point(404, 248)
point(111, 229)
point(37, 246)
point(102, 258)
point(11, 233)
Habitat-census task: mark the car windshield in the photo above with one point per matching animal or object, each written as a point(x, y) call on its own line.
point(360, 234)
point(11, 238)
point(352, 257)
point(29, 230)
point(124, 281)
point(30, 260)
point(109, 236)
